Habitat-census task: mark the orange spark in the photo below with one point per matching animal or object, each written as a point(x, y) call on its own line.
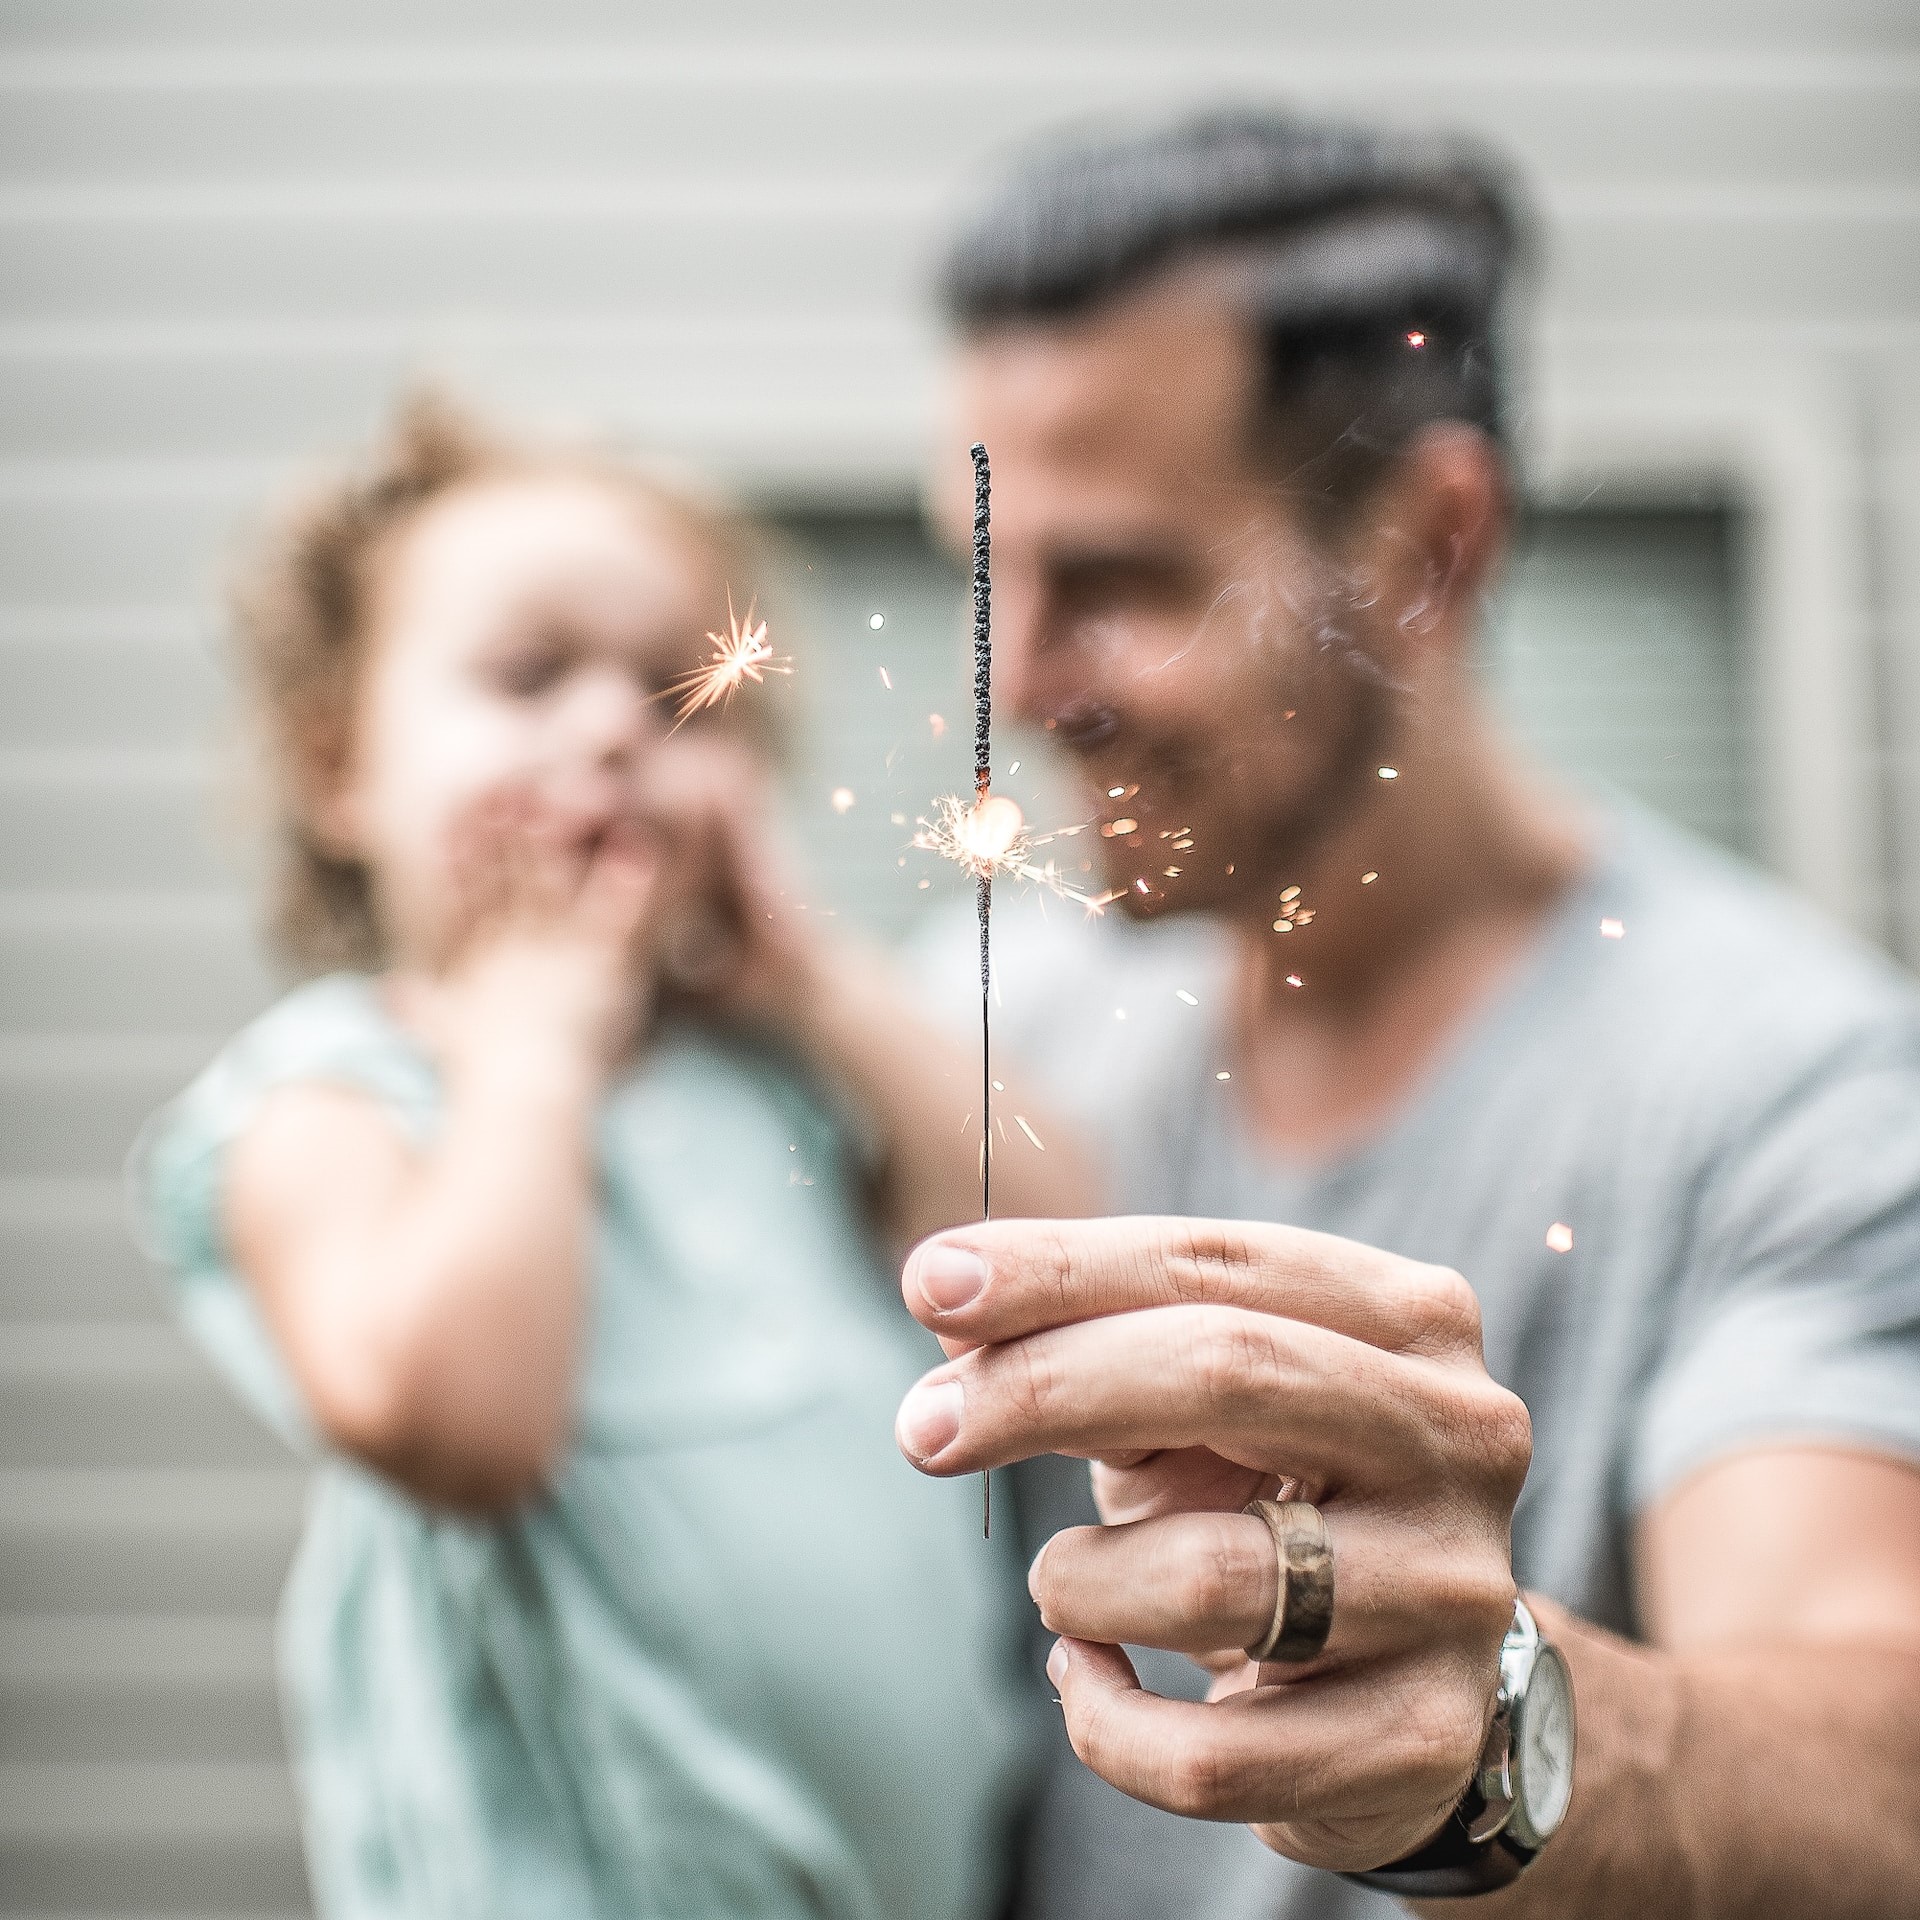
point(740, 654)
point(988, 839)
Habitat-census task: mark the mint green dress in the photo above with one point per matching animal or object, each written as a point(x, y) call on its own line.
point(741, 1660)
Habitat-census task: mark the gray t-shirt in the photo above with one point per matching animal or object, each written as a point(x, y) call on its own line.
point(1714, 1092)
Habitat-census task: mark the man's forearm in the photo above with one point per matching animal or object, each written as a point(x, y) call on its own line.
point(1781, 1781)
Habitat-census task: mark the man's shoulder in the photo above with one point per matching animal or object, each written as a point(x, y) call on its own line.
point(1698, 951)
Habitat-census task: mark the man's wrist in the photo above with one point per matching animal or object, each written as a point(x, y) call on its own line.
point(1519, 1793)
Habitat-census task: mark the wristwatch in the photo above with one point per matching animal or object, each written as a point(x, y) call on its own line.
point(1518, 1795)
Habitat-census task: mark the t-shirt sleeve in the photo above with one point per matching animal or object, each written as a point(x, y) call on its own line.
point(1802, 1316)
point(325, 1033)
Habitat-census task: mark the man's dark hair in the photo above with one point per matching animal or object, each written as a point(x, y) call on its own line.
point(1374, 270)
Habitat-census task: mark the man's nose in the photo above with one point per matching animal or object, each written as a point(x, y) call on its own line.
point(1018, 665)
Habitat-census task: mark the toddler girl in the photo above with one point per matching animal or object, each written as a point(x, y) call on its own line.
point(615, 1597)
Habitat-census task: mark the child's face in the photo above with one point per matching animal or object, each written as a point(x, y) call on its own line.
point(524, 630)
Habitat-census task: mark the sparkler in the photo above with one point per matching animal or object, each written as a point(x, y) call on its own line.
point(740, 654)
point(988, 838)
point(990, 829)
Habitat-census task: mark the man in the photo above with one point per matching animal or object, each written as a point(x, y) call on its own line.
point(1241, 386)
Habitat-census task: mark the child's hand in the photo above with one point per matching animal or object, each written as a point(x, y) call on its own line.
point(730, 940)
point(553, 926)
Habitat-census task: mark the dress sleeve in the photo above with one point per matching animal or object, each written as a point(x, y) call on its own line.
point(1802, 1315)
point(331, 1031)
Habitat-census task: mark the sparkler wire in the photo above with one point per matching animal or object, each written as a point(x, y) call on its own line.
point(983, 881)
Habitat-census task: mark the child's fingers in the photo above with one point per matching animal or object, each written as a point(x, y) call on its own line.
point(482, 855)
point(619, 887)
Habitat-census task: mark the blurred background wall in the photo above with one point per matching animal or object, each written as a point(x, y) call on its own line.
point(228, 229)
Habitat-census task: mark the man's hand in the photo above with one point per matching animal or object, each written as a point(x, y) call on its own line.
point(1203, 1364)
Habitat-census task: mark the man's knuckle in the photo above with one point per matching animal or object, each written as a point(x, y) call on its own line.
point(1506, 1427)
point(1206, 1260)
point(1441, 1310)
point(1054, 1266)
point(1232, 1363)
point(1480, 1433)
point(1198, 1780)
point(1210, 1580)
point(1032, 1380)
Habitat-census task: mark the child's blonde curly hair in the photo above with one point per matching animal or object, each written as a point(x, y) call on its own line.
point(303, 611)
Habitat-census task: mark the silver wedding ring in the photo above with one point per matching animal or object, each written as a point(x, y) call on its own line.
point(1303, 1608)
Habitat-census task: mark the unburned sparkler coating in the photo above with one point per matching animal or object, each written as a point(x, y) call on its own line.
point(983, 877)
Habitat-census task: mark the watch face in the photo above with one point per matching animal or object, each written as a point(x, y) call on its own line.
point(1543, 1751)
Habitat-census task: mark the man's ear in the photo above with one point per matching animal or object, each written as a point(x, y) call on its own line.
point(1431, 539)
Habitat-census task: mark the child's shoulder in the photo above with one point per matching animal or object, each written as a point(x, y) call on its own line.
point(338, 1016)
point(335, 1029)
point(332, 1029)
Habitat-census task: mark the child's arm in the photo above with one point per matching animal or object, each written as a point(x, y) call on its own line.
point(429, 1302)
point(920, 1088)
point(841, 1007)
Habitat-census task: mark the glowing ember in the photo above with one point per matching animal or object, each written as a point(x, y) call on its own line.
point(1223, 1075)
point(886, 679)
point(1367, 879)
point(1294, 980)
point(1560, 1237)
point(988, 839)
point(938, 724)
point(1180, 993)
point(1613, 929)
point(842, 799)
point(1415, 338)
point(1020, 1121)
point(1389, 773)
point(877, 621)
point(741, 654)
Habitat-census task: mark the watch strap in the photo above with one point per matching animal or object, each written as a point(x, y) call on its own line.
point(1451, 1864)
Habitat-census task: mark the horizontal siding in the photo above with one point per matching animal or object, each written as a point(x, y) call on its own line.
point(228, 231)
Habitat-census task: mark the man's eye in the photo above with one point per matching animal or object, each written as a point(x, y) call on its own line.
point(1113, 585)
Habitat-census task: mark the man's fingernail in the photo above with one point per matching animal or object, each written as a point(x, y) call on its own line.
point(929, 1418)
point(1057, 1663)
point(1033, 1573)
point(948, 1277)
